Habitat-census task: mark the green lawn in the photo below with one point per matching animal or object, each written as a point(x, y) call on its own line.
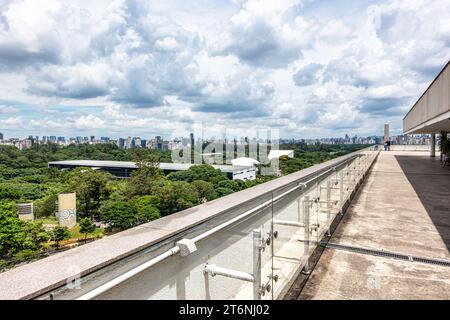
point(75, 233)
point(47, 221)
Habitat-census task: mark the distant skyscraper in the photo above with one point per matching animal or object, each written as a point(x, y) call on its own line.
point(137, 142)
point(192, 139)
point(1, 136)
point(159, 143)
point(121, 143)
point(386, 131)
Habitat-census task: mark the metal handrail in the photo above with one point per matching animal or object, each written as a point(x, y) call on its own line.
point(176, 249)
point(111, 284)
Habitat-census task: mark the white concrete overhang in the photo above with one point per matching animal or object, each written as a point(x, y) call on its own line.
point(431, 112)
point(434, 125)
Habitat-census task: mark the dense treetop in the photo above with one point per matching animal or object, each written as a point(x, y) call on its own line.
point(118, 203)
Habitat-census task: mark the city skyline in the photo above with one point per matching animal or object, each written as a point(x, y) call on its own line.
point(308, 68)
point(162, 143)
point(89, 137)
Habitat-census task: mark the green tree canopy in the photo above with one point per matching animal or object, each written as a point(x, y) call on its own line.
point(35, 235)
point(11, 229)
point(231, 184)
point(205, 190)
point(223, 191)
point(146, 208)
point(59, 234)
point(147, 213)
point(119, 214)
point(9, 191)
point(203, 172)
point(142, 179)
point(175, 195)
point(17, 235)
point(90, 187)
point(86, 226)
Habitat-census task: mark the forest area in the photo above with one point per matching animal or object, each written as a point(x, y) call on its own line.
point(106, 204)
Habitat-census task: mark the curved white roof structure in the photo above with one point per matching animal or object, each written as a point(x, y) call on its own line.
point(276, 154)
point(244, 162)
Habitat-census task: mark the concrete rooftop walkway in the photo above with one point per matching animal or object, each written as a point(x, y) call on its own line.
point(403, 206)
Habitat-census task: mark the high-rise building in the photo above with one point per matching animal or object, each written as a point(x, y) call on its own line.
point(121, 143)
point(137, 142)
point(386, 132)
point(191, 136)
point(159, 142)
point(1, 136)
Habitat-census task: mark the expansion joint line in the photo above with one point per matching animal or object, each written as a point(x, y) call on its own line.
point(385, 254)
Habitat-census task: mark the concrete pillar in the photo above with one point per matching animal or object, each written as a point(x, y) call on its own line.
point(433, 145)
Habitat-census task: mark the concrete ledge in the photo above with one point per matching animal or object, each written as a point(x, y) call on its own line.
point(34, 279)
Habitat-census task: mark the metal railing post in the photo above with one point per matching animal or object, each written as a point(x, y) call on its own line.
point(341, 191)
point(328, 205)
point(361, 168)
point(306, 231)
point(257, 264)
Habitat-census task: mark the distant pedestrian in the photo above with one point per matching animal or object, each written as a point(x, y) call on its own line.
point(385, 146)
point(388, 143)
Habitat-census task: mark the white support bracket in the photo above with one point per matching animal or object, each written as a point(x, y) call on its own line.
point(302, 185)
point(288, 223)
point(215, 270)
point(187, 246)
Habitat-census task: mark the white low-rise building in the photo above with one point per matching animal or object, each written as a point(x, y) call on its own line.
point(245, 174)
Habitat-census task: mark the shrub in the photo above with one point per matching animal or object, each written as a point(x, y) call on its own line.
point(25, 255)
point(223, 191)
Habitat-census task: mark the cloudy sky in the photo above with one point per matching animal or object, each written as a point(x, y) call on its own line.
point(141, 68)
